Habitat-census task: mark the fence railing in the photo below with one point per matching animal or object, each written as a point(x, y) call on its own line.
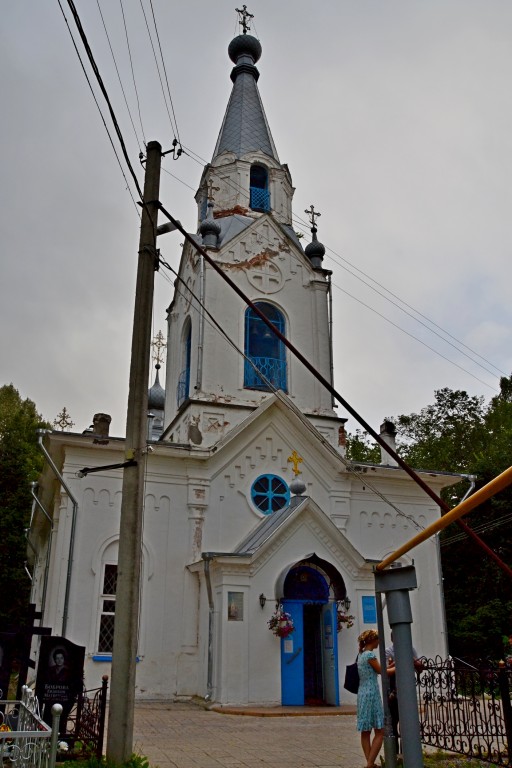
point(25, 740)
point(466, 709)
point(85, 727)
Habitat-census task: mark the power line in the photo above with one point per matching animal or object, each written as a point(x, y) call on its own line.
point(218, 327)
point(94, 66)
point(118, 73)
point(298, 220)
point(98, 106)
point(174, 130)
point(165, 70)
point(133, 71)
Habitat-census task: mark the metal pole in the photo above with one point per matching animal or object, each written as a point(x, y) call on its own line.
point(389, 739)
point(396, 584)
point(122, 691)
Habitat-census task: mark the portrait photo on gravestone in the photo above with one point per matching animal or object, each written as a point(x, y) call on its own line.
point(59, 678)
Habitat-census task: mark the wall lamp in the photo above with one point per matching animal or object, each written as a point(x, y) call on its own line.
point(263, 600)
point(346, 602)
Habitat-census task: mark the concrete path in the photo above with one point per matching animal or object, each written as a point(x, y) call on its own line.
point(185, 735)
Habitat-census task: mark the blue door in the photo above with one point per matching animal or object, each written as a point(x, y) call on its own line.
point(292, 657)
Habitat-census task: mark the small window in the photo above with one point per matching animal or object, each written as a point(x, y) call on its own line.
point(260, 195)
point(107, 609)
point(183, 388)
point(270, 493)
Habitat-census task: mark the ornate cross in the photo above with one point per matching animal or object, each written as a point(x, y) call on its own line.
point(63, 420)
point(243, 16)
point(159, 345)
point(295, 460)
point(210, 189)
point(313, 215)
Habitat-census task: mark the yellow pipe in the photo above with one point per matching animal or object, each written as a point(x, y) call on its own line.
point(492, 488)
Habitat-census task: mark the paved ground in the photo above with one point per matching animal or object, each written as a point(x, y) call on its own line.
point(185, 735)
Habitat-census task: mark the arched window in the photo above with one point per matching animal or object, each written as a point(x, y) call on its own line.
point(183, 388)
point(260, 195)
point(265, 351)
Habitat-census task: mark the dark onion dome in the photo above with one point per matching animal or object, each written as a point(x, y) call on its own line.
point(210, 229)
point(315, 251)
point(156, 395)
point(244, 45)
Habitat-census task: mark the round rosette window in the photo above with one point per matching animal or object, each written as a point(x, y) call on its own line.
point(269, 493)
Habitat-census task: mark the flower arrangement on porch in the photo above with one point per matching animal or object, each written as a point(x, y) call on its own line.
point(344, 620)
point(281, 623)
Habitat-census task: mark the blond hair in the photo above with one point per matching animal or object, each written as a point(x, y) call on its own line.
point(368, 636)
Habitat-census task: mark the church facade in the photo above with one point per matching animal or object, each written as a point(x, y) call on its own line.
point(252, 513)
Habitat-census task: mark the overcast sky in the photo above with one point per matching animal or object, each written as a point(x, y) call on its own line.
point(395, 119)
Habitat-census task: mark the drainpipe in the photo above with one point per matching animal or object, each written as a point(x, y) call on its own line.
point(49, 547)
point(209, 682)
point(207, 558)
point(41, 433)
point(200, 345)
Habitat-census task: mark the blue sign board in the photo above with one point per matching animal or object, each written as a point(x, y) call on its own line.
point(369, 610)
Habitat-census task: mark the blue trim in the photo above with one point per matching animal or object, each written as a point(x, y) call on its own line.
point(108, 657)
point(270, 493)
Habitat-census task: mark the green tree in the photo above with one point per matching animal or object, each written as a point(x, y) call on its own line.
point(20, 463)
point(360, 448)
point(459, 433)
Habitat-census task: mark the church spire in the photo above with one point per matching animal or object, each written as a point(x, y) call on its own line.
point(245, 128)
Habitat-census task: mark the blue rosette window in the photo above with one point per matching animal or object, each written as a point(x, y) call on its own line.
point(269, 493)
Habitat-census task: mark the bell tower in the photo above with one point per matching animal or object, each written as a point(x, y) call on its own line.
point(223, 361)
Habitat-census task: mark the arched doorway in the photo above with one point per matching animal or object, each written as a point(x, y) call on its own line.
point(309, 656)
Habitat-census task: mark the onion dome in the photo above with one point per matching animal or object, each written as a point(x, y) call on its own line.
point(244, 46)
point(156, 394)
point(210, 229)
point(315, 251)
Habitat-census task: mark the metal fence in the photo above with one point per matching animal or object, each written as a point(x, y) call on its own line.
point(25, 740)
point(466, 709)
point(84, 729)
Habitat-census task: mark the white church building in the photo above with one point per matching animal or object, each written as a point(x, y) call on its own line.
point(250, 504)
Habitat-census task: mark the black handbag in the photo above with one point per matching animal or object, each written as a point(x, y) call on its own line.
point(352, 677)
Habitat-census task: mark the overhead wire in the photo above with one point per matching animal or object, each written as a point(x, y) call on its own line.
point(173, 128)
point(118, 73)
point(197, 158)
point(165, 70)
point(95, 69)
point(133, 71)
point(210, 319)
point(99, 108)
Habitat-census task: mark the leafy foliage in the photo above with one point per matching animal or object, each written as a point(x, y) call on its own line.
point(20, 463)
point(460, 433)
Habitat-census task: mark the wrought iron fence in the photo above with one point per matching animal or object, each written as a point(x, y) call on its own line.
point(466, 709)
point(25, 740)
point(85, 726)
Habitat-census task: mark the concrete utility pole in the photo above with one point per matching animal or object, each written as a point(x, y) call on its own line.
point(126, 634)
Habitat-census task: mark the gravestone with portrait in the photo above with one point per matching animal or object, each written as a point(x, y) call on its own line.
point(60, 672)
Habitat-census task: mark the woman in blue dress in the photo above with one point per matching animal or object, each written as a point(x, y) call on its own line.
point(370, 715)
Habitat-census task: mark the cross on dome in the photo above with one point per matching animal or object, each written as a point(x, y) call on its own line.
point(313, 215)
point(243, 16)
point(159, 344)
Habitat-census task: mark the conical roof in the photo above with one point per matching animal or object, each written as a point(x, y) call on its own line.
point(245, 128)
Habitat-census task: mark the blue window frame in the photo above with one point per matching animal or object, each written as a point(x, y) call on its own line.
point(265, 352)
point(269, 493)
point(183, 388)
point(260, 195)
